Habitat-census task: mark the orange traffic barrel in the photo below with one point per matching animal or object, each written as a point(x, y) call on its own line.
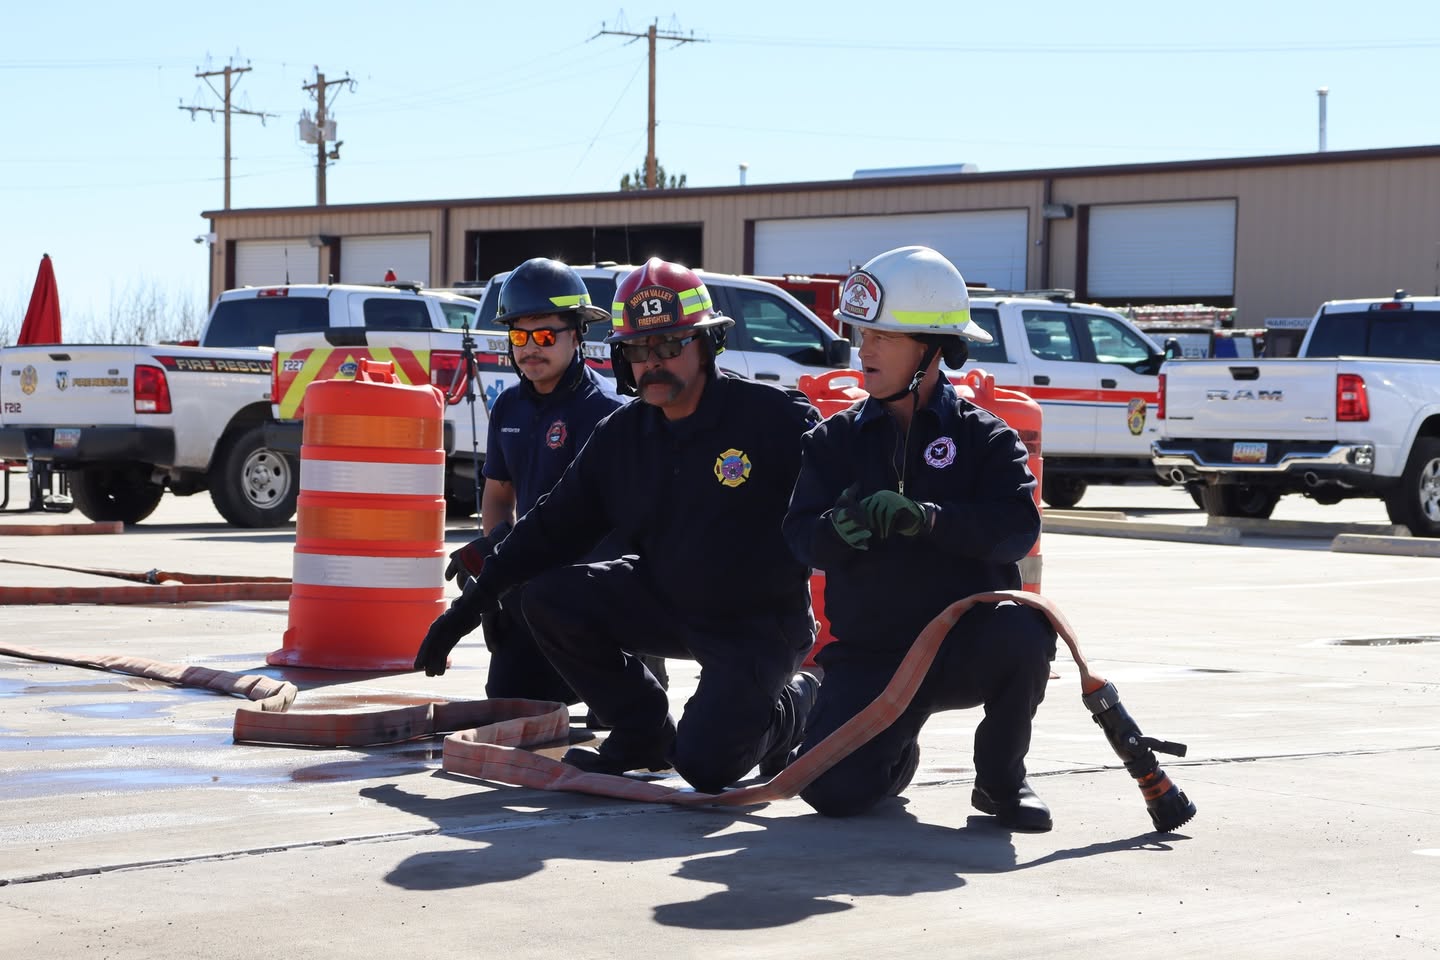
point(1026, 418)
point(829, 393)
point(370, 526)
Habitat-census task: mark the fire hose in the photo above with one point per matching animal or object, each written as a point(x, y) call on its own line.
point(162, 586)
point(490, 735)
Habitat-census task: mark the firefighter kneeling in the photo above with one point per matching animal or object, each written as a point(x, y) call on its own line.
point(909, 501)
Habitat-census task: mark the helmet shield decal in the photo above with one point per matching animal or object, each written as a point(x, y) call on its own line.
point(653, 306)
point(860, 298)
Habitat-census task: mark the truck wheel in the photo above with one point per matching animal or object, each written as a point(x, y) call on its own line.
point(1238, 500)
point(1061, 492)
point(253, 485)
point(1416, 502)
point(115, 492)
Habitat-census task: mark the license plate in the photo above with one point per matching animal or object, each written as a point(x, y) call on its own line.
point(1246, 451)
point(67, 438)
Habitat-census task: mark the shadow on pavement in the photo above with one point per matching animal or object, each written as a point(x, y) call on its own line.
point(772, 872)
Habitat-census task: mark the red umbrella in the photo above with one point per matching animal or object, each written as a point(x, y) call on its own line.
point(42, 319)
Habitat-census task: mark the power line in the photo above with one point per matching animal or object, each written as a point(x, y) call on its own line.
point(1088, 48)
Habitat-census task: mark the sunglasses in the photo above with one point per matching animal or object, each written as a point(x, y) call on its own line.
point(543, 337)
point(667, 349)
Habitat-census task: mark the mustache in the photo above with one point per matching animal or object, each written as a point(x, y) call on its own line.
point(653, 377)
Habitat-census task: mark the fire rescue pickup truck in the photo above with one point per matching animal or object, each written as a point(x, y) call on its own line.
point(1357, 414)
point(126, 422)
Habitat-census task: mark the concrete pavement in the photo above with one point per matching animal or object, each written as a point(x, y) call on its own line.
point(1304, 681)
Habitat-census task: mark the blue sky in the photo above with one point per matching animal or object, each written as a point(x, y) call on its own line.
point(100, 168)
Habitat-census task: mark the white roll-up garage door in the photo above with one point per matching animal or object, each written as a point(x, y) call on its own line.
point(1162, 250)
point(989, 246)
point(266, 263)
point(366, 259)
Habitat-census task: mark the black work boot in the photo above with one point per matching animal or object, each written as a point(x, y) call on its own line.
point(1020, 810)
point(617, 758)
point(904, 771)
point(804, 690)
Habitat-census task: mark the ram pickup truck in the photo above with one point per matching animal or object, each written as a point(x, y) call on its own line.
point(1094, 374)
point(126, 422)
point(775, 339)
point(1357, 414)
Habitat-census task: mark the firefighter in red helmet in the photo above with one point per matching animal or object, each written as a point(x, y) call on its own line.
point(695, 479)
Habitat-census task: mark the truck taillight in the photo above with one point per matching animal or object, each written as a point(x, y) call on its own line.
point(447, 371)
point(152, 390)
point(1160, 404)
point(275, 379)
point(1351, 400)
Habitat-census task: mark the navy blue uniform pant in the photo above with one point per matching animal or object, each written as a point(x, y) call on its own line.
point(517, 667)
point(594, 621)
point(996, 656)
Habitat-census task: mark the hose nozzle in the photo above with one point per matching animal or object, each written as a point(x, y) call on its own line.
point(1169, 807)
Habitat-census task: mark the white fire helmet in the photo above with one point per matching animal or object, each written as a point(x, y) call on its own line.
point(910, 290)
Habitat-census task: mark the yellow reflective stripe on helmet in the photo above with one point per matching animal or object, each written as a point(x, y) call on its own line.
point(924, 318)
point(617, 313)
point(694, 299)
point(574, 300)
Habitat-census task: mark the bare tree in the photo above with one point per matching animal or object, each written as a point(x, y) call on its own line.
point(145, 313)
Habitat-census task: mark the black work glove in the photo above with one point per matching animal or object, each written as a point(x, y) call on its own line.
point(890, 513)
point(849, 519)
point(463, 616)
point(470, 559)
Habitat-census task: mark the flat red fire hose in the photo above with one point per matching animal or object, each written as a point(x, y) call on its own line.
point(491, 735)
point(164, 586)
point(269, 694)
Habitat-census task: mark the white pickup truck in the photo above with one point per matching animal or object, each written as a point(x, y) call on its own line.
point(1094, 374)
point(1357, 414)
point(127, 421)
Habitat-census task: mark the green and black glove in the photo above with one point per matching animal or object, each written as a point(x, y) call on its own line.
point(888, 512)
point(849, 520)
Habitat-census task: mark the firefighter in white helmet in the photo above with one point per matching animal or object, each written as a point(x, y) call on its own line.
point(910, 500)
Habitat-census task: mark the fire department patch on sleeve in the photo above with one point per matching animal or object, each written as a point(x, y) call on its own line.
point(556, 434)
point(732, 467)
point(1135, 415)
point(941, 453)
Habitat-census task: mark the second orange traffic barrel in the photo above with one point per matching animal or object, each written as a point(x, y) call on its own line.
point(370, 530)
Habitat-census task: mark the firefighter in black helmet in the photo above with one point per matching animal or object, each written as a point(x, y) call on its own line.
point(536, 428)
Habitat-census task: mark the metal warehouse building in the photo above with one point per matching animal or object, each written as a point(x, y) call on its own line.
point(1271, 236)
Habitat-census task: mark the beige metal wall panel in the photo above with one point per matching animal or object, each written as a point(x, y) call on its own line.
point(1307, 229)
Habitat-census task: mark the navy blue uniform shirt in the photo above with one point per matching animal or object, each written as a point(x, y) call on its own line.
point(699, 500)
point(960, 457)
point(533, 436)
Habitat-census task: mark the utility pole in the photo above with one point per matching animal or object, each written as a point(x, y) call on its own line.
point(228, 73)
point(324, 129)
point(652, 35)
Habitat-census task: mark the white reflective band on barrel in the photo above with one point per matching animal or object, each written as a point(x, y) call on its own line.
point(351, 476)
point(1030, 569)
point(328, 570)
